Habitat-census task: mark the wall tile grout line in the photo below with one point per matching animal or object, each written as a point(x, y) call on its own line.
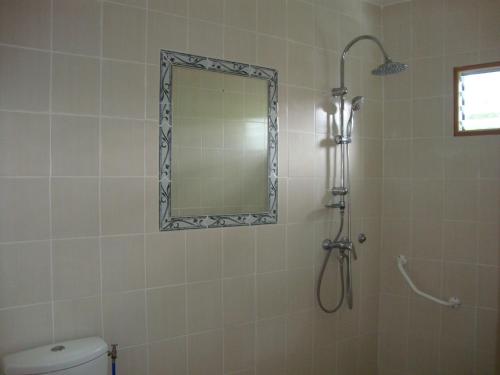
point(144, 186)
point(380, 232)
point(442, 278)
point(53, 332)
point(411, 249)
point(99, 172)
point(287, 292)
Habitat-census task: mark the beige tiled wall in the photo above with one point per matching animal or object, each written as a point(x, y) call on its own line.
point(441, 202)
point(80, 251)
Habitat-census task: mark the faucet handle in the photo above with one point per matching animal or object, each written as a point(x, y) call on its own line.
point(354, 253)
point(328, 244)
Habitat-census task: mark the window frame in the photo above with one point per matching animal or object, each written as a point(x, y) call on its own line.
point(456, 95)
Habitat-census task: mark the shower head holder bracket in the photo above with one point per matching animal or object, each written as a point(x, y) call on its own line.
point(339, 191)
point(341, 140)
point(339, 91)
point(340, 205)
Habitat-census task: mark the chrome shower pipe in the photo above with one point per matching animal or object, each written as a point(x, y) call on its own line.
point(342, 90)
point(349, 236)
point(348, 47)
point(345, 244)
point(345, 180)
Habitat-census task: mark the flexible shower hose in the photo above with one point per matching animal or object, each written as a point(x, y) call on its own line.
point(341, 272)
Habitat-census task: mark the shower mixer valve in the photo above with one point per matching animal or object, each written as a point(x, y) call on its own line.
point(343, 244)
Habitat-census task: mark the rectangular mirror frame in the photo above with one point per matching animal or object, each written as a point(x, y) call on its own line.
point(169, 59)
point(456, 79)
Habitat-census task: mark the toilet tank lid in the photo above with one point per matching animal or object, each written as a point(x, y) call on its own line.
point(54, 357)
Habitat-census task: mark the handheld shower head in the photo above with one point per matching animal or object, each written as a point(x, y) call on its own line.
point(356, 103)
point(389, 67)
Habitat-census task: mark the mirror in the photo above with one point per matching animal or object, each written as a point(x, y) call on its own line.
point(477, 99)
point(218, 143)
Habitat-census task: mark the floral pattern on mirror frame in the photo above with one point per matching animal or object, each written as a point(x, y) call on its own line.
point(169, 59)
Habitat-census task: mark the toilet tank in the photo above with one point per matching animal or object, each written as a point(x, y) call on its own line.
point(86, 356)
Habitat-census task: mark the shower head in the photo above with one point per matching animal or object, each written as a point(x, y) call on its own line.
point(389, 67)
point(356, 103)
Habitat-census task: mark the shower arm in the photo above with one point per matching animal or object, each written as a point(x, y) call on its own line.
point(342, 90)
point(348, 47)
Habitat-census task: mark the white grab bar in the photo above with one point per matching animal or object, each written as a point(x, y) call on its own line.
point(453, 302)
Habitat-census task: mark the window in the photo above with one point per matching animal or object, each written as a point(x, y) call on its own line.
point(477, 99)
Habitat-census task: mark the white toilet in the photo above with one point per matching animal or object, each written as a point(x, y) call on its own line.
point(86, 356)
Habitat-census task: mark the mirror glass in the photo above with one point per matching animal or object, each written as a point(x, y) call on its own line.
point(218, 154)
point(219, 139)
